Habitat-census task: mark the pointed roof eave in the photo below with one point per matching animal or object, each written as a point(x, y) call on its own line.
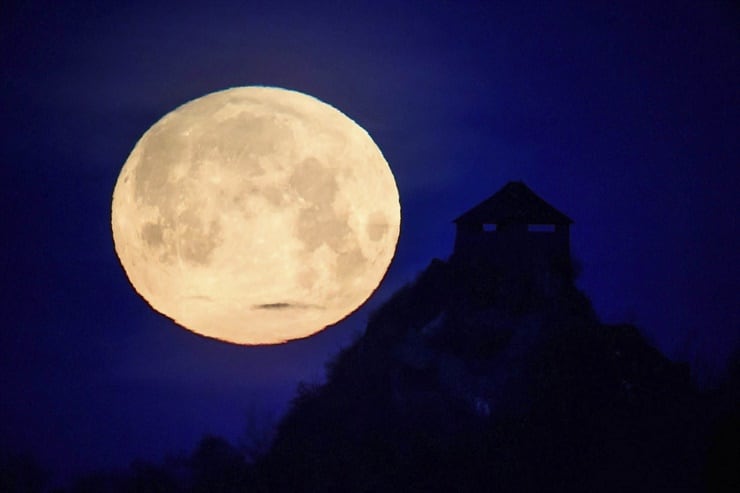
point(515, 202)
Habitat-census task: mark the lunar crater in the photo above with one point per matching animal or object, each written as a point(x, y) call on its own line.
point(152, 234)
point(314, 183)
point(199, 242)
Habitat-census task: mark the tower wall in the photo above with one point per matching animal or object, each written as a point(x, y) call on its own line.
point(512, 247)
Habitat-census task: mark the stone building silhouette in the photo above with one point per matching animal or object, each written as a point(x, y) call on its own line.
point(514, 232)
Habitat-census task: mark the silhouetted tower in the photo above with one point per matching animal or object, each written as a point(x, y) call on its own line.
point(514, 231)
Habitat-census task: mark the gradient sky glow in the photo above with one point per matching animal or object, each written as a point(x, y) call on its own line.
point(626, 117)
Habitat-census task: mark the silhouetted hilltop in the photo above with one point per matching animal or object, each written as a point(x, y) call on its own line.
point(471, 379)
point(474, 380)
point(489, 372)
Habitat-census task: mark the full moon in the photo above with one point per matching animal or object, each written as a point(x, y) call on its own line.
point(255, 215)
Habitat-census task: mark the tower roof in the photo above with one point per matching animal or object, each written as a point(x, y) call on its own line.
point(514, 203)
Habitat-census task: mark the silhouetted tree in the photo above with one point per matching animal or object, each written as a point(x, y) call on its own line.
point(466, 380)
point(218, 467)
point(21, 473)
point(259, 431)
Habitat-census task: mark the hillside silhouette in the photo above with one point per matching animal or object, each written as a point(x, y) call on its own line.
point(492, 372)
point(486, 373)
point(471, 380)
point(465, 381)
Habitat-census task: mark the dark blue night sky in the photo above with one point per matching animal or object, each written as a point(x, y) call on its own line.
point(625, 117)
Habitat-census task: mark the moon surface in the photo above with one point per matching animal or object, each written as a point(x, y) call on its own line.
point(255, 215)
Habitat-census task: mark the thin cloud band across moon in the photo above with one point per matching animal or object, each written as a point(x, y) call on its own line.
point(255, 215)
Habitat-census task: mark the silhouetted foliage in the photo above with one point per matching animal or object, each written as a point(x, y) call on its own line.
point(218, 467)
point(721, 471)
point(21, 473)
point(140, 477)
point(214, 467)
point(471, 379)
